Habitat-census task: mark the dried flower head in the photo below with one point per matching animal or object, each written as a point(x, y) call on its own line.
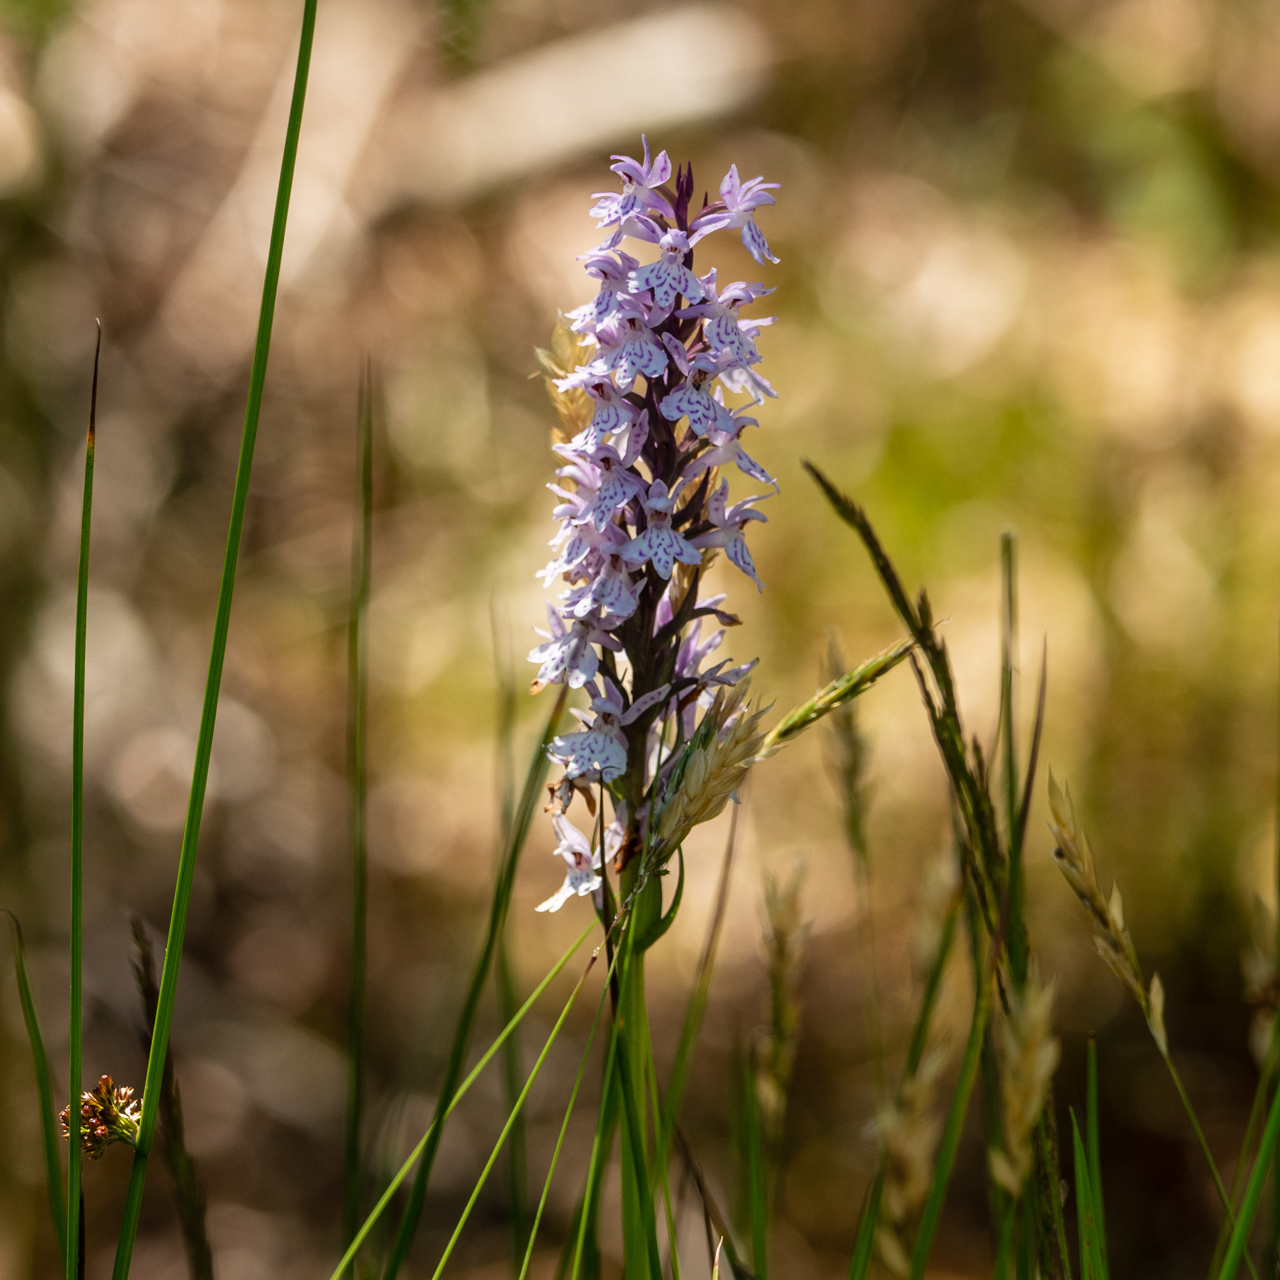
point(1028, 1055)
point(1075, 861)
point(908, 1132)
point(107, 1114)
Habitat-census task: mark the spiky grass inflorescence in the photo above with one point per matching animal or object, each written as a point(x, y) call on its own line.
point(784, 939)
point(908, 1131)
point(716, 763)
point(1028, 1055)
point(1075, 860)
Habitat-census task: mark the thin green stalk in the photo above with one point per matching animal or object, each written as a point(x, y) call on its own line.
point(1094, 1145)
point(601, 1146)
point(864, 1243)
point(1253, 1193)
point(697, 1000)
point(44, 1088)
point(1208, 1155)
point(358, 786)
point(1016, 930)
point(757, 1204)
point(538, 767)
point(1091, 1264)
point(506, 1128)
point(1005, 1247)
point(504, 970)
point(658, 1173)
point(950, 1143)
point(76, 1053)
point(564, 1129)
point(1257, 1112)
point(213, 684)
point(460, 1092)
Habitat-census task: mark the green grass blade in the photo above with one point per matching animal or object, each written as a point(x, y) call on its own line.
point(44, 1088)
point(1004, 1249)
point(697, 1006)
point(504, 881)
point(564, 1129)
point(459, 1093)
point(757, 1200)
point(506, 1128)
point(950, 1143)
point(213, 684)
point(1016, 929)
point(358, 785)
point(865, 1241)
point(1092, 1266)
point(1094, 1149)
point(1236, 1249)
point(1223, 1198)
point(76, 1038)
point(601, 1148)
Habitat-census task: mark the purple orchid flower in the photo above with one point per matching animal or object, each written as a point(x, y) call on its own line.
point(729, 529)
point(667, 278)
point(738, 203)
point(583, 875)
point(639, 194)
point(660, 545)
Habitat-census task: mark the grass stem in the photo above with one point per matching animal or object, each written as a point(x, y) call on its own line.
point(213, 684)
point(76, 1048)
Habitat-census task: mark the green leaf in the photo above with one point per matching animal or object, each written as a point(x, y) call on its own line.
point(44, 1088)
point(213, 684)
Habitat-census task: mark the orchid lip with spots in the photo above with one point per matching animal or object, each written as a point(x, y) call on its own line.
point(644, 497)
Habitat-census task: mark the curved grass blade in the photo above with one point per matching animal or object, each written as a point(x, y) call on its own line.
point(757, 1199)
point(1092, 1266)
point(357, 781)
point(951, 1133)
point(213, 684)
point(76, 1038)
point(505, 879)
point(564, 1129)
point(459, 1093)
point(697, 1000)
point(511, 1119)
point(1236, 1249)
point(44, 1088)
point(1094, 1150)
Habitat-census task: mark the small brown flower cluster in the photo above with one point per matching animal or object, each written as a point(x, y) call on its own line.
point(107, 1114)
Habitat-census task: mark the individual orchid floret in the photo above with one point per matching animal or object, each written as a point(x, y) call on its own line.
point(738, 202)
point(617, 485)
point(639, 194)
point(629, 348)
point(567, 654)
point(719, 313)
point(668, 278)
point(599, 748)
point(692, 400)
point(660, 545)
point(612, 270)
point(611, 590)
point(580, 541)
point(727, 449)
point(729, 532)
point(583, 876)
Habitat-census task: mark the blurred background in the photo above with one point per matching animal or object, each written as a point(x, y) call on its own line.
point(1029, 280)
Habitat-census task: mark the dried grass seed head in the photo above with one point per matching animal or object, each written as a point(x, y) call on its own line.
point(1028, 1054)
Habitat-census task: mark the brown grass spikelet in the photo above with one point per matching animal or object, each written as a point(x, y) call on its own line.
point(1110, 936)
point(714, 769)
point(574, 407)
point(908, 1131)
point(1028, 1055)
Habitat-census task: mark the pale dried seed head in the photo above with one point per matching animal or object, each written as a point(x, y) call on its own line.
point(908, 1131)
point(575, 408)
point(1028, 1055)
